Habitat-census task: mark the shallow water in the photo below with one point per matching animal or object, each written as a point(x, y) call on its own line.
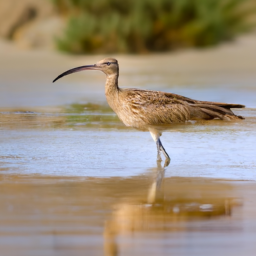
point(94, 143)
point(75, 181)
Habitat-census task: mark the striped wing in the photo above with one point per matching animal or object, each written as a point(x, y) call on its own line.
point(155, 108)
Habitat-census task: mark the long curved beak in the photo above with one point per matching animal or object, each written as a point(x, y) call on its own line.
point(73, 70)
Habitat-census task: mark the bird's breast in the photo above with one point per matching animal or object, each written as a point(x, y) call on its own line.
point(126, 113)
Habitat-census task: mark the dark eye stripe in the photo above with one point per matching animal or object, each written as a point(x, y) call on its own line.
point(108, 63)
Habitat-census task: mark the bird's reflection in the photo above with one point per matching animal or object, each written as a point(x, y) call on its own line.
point(155, 188)
point(169, 208)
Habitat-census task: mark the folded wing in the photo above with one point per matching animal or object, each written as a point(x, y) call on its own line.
point(156, 108)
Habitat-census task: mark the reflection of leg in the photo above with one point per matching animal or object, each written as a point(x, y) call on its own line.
point(159, 178)
point(161, 147)
point(155, 188)
point(110, 243)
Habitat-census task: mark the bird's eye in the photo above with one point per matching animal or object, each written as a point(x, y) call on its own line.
point(108, 63)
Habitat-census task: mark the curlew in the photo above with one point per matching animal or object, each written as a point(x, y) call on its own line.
point(153, 110)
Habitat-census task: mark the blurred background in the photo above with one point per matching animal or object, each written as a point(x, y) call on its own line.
point(144, 26)
point(74, 180)
point(199, 44)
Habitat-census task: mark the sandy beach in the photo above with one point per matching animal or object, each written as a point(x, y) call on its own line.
point(231, 65)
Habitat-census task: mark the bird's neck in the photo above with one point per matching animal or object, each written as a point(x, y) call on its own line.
point(111, 86)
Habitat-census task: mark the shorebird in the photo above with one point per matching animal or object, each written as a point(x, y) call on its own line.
point(153, 111)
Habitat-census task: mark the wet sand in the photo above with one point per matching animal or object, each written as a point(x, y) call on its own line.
point(76, 181)
point(49, 215)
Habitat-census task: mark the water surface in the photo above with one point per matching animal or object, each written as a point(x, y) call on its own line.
point(75, 181)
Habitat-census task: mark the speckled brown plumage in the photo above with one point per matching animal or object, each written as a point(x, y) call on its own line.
point(154, 110)
point(143, 108)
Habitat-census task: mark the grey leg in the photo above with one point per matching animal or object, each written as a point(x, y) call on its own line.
point(159, 159)
point(156, 137)
point(160, 147)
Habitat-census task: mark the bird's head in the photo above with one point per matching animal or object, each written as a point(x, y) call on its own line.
point(108, 65)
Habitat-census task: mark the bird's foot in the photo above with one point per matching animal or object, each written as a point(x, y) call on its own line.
point(167, 161)
point(167, 158)
point(160, 149)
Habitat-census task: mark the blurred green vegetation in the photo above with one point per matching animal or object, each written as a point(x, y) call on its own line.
point(88, 107)
point(139, 26)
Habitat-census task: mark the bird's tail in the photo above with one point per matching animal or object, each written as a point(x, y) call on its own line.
point(211, 110)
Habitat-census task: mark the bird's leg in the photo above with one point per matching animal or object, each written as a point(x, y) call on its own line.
point(156, 137)
point(161, 147)
point(158, 146)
